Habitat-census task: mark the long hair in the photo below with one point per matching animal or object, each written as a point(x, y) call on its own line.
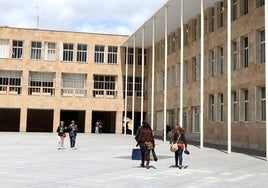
point(178, 129)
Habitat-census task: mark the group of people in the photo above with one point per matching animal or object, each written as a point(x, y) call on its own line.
point(145, 139)
point(72, 129)
point(98, 126)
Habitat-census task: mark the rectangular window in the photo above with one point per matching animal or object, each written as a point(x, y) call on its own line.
point(195, 69)
point(244, 7)
point(220, 115)
point(212, 20)
point(36, 49)
point(234, 9)
point(262, 46)
point(234, 106)
point(105, 85)
point(10, 82)
point(220, 65)
point(196, 119)
point(259, 3)
point(140, 56)
point(234, 56)
point(160, 81)
point(112, 54)
point(260, 104)
point(68, 52)
point(4, 48)
point(81, 55)
point(73, 84)
point(41, 83)
point(171, 77)
point(130, 54)
point(99, 54)
point(245, 110)
point(195, 30)
point(221, 17)
point(211, 64)
point(211, 107)
point(50, 51)
point(17, 49)
point(245, 58)
point(186, 73)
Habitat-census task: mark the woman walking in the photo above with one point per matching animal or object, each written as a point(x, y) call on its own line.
point(178, 136)
point(61, 134)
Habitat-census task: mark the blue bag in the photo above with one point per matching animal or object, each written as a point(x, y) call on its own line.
point(136, 154)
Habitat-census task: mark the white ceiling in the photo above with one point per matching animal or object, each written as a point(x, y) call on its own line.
point(191, 9)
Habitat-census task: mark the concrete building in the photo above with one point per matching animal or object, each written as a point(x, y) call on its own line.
point(51, 75)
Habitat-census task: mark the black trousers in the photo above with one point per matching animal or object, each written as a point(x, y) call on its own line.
point(72, 141)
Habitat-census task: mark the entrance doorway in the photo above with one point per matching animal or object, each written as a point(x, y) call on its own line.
point(77, 115)
point(39, 120)
point(10, 120)
point(108, 119)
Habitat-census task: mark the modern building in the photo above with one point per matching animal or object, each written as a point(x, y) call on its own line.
point(217, 93)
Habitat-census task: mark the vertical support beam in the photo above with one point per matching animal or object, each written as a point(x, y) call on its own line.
point(142, 76)
point(181, 59)
point(229, 76)
point(165, 72)
point(266, 75)
point(133, 84)
point(153, 62)
point(202, 78)
point(125, 117)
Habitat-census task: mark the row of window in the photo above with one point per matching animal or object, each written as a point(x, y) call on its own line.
point(43, 83)
point(69, 52)
point(240, 105)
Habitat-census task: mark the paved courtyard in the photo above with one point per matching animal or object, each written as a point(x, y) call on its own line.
point(104, 160)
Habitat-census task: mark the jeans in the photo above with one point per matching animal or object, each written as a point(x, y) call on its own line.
point(178, 157)
point(72, 141)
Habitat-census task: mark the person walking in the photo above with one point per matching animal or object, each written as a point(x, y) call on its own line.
point(72, 133)
point(178, 136)
point(146, 142)
point(61, 134)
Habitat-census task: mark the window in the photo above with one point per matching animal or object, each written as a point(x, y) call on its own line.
point(211, 64)
point(261, 106)
point(112, 54)
point(160, 81)
point(195, 30)
point(245, 111)
point(211, 108)
point(73, 84)
point(195, 69)
point(4, 48)
point(178, 74)
point(234, 106)
point(81, 53)
point(220, 65)
point(245, 58)
point(105, 85)
point(17, 48)
point(41, 83)
point(130, 54)
point(221, 17)
point(138, 86)
point(186, 73)
point(10, 82)
point(260, 3)
point(36, 48)
point(234, 9)
point(196, 119)
point(234, 56)
point(68, 52)
point(129, 86)
point(140, 56)
point(171, 77)
point(244, 7)
point(50, 51)
point(220, 115)
point(212, 20)
point(99, 54)
point(262, 46)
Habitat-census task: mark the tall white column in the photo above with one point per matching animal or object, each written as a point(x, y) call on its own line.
point(266, 74)
point(165, 80)
point(181, 59)
point(142, 76)
point(125, 117)
point(202, 78)
point(153, 62)
point(229, 76)
point(133, 84)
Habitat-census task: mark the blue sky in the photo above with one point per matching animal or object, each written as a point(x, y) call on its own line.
point(93, 16)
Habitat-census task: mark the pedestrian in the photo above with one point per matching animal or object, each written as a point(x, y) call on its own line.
point(72, 133)
point(61, 134)
point(146, 142)
point(97, 124)
point(100, 126)
point(178, 136)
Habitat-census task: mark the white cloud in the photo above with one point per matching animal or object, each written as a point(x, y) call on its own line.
point(106, 16)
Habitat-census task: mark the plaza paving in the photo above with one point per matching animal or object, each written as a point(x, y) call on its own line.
point(104, 160)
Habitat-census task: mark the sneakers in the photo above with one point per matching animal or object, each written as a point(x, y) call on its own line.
point(180, 166)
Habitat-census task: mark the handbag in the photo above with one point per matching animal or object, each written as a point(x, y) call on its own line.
point(63, 134)
point(174, 147)
point(136, 154)
point(149, 145)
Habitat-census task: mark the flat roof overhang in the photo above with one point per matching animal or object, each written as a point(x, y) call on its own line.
point(191, 9)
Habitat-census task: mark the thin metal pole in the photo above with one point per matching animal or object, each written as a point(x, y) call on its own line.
point(202, 78)
point(229, 75)
point(165, 72)
point(125, 118)
point(266, 75)
point(153, 62)
point(142, 76)
point(181, 59)
point(133, 84)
